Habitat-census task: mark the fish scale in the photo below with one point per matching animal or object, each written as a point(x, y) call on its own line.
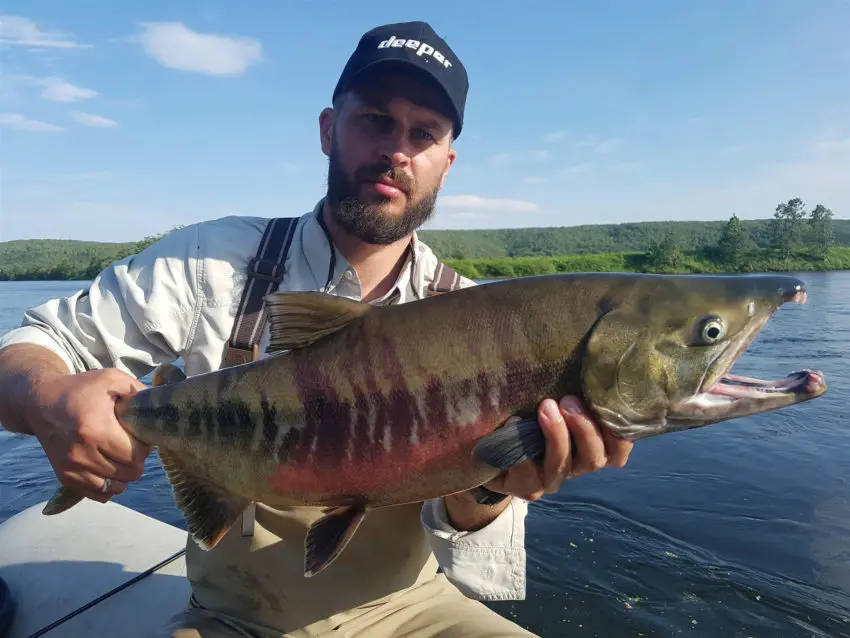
point(360, 407)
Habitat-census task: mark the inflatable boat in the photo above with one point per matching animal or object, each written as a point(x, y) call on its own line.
point(97, 570)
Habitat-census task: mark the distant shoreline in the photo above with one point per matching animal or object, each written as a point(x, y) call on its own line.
point(759, 260)
point(679, 247)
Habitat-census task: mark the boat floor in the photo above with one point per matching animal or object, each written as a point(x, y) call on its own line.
point(57, 565)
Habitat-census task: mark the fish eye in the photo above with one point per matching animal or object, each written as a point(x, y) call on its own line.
point(712, 330)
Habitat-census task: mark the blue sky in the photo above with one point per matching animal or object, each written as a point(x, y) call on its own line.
point(120, 120)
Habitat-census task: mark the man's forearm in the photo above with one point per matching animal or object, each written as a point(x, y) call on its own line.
point(467, 515)
point(22, 367)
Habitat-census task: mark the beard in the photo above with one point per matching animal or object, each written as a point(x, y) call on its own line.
point(366, 221)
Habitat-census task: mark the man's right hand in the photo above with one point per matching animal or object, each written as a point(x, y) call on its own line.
point(73, 417)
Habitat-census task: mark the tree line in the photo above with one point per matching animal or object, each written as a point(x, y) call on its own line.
point(791, 232)
point(791, 239)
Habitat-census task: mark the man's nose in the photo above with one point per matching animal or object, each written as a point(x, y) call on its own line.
point(395, 148)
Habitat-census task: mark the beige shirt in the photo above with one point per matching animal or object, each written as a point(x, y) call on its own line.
point(177, 299)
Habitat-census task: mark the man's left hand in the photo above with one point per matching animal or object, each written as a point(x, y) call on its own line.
point(563, 424)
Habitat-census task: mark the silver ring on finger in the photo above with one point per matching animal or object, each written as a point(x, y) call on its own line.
point(107, 483)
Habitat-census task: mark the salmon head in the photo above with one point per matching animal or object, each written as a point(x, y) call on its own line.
point(659, 357)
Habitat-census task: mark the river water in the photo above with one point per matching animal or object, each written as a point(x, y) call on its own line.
point(738, 529)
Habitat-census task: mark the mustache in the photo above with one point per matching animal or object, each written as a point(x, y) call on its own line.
point(374, 172)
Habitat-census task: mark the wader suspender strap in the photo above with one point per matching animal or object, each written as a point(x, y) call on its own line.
point(446, 279)
point(265, 272)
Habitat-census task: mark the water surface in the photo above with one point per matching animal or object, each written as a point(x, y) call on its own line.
point(740, 529)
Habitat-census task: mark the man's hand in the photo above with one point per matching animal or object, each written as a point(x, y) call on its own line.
point(73, 417)
point(563, 424)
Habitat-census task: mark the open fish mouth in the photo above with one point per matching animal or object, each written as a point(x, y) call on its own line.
point(803, 382)
point(726, 395)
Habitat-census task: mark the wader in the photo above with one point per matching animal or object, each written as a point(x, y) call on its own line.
point(384, 584)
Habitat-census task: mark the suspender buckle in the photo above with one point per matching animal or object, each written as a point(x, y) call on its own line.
point(265, 269)
point(234, 355)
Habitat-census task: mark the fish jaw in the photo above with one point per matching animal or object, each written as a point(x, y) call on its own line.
point(735, 396)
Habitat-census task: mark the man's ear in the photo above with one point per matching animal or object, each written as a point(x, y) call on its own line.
point(450, 160)
point(326, 122)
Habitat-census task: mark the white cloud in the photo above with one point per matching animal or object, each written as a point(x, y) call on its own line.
point(576, 169)
point(88, 119)
point(58, 90)
point(743, 147)
point(554, 136)
point(175, 46)
point(588, 143)
point(54, 88)
point(504, 159)
point(831, 145)
point(18, 121)
point(17, 30)
point(476, 202)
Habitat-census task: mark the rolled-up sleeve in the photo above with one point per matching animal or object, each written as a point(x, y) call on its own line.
point(136, 313)
point(486, 564)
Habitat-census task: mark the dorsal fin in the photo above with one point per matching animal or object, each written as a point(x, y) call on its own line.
point(297, 319)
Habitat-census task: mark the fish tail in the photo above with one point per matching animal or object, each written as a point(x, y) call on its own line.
point(62, 500)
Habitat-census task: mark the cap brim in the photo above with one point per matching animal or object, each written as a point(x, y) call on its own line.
point(408, 66)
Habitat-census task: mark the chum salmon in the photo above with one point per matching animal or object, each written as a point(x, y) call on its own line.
point(359, 406)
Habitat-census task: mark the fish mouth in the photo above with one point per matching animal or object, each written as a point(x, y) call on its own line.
point(800, 383)
point(723, 395)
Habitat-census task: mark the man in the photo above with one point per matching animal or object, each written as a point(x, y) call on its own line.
point(397, 109)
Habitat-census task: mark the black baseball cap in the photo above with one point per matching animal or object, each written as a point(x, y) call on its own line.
point(415, 45)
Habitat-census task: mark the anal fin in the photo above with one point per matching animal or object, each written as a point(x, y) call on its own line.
point(210, 511)
point(511, 444)
point(329, 535)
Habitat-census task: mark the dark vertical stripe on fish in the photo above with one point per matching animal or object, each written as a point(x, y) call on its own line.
point(287, 444)
point(235, 421)
point(194, 429)
point(400, 409)
point(322, 409)
point(270, 427)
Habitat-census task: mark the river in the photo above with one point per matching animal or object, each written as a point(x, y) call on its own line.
point(739, 529)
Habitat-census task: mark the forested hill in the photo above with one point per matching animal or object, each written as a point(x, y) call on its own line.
point(457, 244)
point(602, 238)
point(790, 229)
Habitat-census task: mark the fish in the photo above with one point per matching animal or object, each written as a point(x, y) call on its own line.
point(360, 406)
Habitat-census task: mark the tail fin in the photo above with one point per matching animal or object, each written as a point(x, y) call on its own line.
point(64, 498)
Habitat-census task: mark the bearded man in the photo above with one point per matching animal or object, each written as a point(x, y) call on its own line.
point(415, 570)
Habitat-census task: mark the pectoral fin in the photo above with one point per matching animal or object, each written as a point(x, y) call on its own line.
point(511, 444)
point(328, 536)
point(210, 512)
point(166, 374)
point(485, 496)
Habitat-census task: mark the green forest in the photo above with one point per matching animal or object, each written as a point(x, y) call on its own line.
point(793, 239)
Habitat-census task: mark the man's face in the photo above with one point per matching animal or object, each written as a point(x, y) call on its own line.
point(389, 150)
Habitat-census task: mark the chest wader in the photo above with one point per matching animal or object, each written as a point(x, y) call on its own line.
point(256, 572)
